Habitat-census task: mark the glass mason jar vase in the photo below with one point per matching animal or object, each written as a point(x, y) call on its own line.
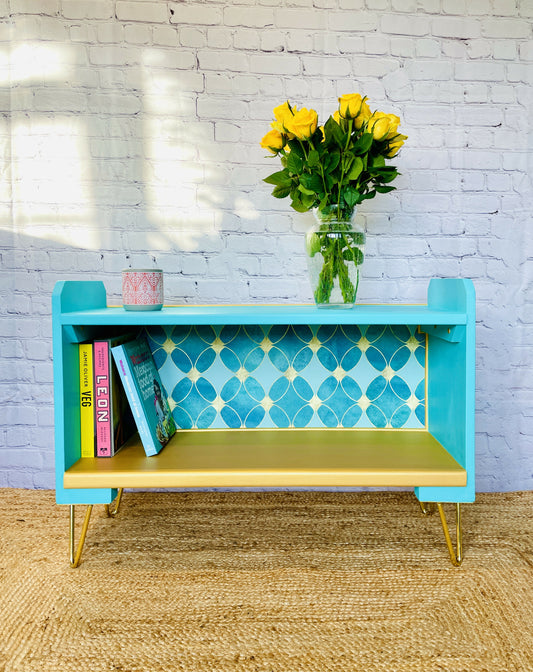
point(335, 252)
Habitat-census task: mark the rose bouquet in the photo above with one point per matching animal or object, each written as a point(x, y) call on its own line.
point(331, 169)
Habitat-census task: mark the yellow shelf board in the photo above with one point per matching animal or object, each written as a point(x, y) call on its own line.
point(276, 458)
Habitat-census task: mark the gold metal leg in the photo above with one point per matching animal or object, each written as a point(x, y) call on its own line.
point(111, 513)
point(75, 556)
point(427, 509)
point(456, 558)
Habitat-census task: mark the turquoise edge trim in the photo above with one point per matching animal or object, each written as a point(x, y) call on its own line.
point(268, 314)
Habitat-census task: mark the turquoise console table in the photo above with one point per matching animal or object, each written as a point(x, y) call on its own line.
point(285, 396)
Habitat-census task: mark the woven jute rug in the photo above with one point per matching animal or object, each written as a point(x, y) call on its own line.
point(266, 582)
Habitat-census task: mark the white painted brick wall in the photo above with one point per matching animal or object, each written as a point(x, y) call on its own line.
point(130, 135)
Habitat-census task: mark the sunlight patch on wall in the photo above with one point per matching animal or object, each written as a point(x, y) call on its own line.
point(51, 192)
point(174, 141)
point(245, 208)
point(32, 62)
point(50, 161)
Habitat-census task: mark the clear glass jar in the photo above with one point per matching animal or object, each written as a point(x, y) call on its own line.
point(335, 253)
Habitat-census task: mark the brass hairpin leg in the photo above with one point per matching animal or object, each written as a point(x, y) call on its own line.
point(456, 558)
point(76, 556)
point(111, 513)
point(427, 509)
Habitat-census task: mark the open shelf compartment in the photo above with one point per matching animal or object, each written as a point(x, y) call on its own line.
point(438, 460)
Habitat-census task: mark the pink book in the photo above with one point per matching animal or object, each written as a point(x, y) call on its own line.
point(102, 398)
point(114, 422)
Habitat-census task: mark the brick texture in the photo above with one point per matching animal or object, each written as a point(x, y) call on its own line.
point(130, 136)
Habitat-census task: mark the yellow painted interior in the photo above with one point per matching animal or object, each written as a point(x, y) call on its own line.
point(276, 458)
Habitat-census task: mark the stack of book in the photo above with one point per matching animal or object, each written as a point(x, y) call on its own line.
point(120, 393)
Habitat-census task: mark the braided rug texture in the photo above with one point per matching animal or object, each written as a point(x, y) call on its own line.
point(266, 582)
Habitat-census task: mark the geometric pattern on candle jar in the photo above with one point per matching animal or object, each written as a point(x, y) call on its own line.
point(260, 376)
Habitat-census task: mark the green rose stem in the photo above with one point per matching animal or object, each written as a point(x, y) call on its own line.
point(337, 253)
point(303, 148)
point(322, 175)
point(348, 136)
point(320, 165)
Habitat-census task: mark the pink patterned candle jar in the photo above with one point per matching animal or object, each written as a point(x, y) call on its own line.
point(142, 288)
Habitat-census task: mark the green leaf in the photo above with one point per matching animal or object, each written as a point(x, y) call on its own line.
point(356, 169)
point(281, 191)
point(294, 164)
point(384, 190)
point(330, 181)
point(312, 181)
point(383, 170)
point(378, 161)
point(297, 205)
point(308, 200)
point(351, 196)
point(334, 133)
point(357, 237)
point(317, 137)
point(282, 177)
point(309, 192)
point(331, 161)
point(363, 144)
point(313, 159)
point(388, 177)
point(353, 254)
point(296, 149)
point(313, 244)
point(323, 203)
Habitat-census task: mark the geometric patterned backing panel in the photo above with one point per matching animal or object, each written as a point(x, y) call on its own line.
point(257, 376)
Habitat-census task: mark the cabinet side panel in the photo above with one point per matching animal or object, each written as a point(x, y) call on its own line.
point(74, 295)
point(451, 389)
point(71, 296)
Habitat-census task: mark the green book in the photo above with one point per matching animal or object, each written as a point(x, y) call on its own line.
point(145, 393)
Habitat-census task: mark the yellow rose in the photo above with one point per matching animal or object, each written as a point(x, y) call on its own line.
point(395, 145)
point(273, 141)
point(393, 126)
point(354, 106)
point(363, 116)
point(383, 126)
point(303, 124)
point(283, 113)
point(343, 123)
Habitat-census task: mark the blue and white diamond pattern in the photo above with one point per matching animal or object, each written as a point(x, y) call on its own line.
point(292, 375)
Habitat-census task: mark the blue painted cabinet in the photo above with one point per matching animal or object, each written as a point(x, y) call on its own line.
point(374, 395)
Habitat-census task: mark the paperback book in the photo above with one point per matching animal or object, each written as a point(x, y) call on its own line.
point(87, 433)
point(114, 423)
point(145, 393)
